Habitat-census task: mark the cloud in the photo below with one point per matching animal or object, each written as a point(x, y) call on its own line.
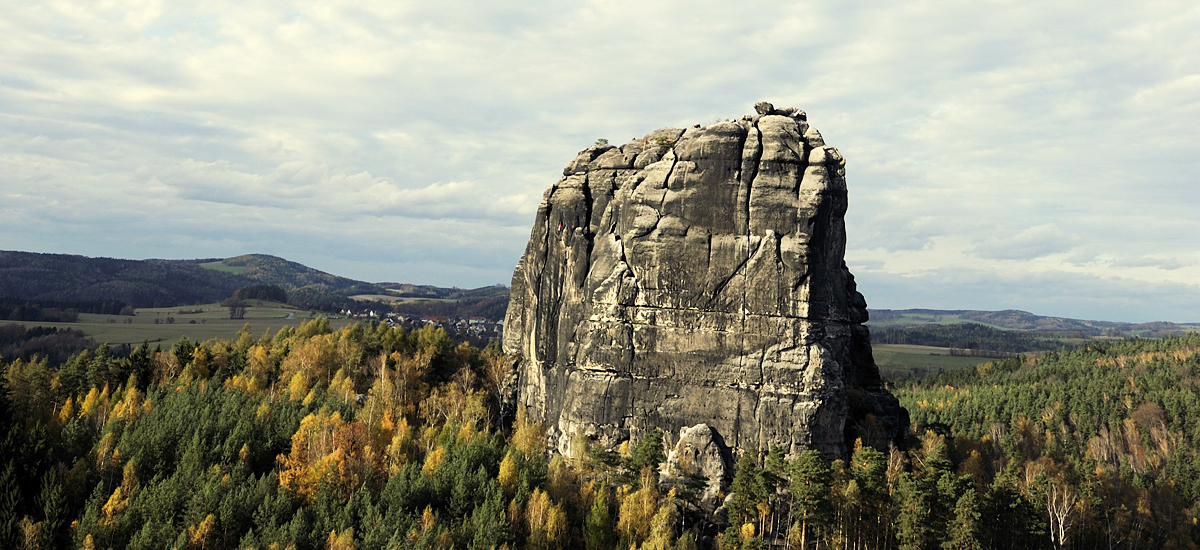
point(1027, 244)
point(1168, 264)
point(1017, 136)
point(1056, 293)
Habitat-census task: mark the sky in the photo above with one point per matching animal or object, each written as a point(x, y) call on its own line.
point(1001, 154)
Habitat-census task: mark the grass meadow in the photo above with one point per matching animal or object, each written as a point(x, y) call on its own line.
point(198, 323)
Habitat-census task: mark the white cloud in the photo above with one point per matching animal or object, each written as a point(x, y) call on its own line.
point(1028, 244)
point(1010, 136)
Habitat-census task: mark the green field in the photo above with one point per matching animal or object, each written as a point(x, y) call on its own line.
point(912, 319)
point(391, 299)
point(903, 361)
point(198, 323)
point(220, 266)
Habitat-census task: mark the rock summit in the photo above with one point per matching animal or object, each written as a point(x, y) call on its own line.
point(696, 276)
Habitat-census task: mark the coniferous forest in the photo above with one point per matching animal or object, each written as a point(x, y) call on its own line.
point(377, 437)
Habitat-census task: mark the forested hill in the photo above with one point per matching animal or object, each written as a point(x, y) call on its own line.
point(290, 276)
point(1101, 441)
point(139, 283)
point(376, 437)
point(165, 283)
point(1012, 319)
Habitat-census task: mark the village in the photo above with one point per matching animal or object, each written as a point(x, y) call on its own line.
point(477, 330)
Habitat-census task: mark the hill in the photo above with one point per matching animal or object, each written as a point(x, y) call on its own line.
point(1023, 320)
point(291, 276)
point(139, 283)
point(41, 287)
point(489, 302)
point(1108, 428)
point(64, 279)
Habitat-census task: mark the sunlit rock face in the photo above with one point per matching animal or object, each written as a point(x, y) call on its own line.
point(696, 276)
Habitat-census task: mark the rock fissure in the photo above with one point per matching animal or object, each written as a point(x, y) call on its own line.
point(588, 203)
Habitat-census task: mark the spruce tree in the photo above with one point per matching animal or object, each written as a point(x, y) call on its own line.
point(597, 528)
point(810, 479)
point(963, 531)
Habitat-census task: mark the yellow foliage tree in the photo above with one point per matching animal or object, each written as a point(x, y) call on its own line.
point(528, 436)
point(508, 473)
point(433, 460)
point(635, 514)
point(546, 521)
point(342, 385)
point(314, 358)
point(401, 448)
point(200, 536)
point(198, 369)
point(67, 412)
point(662, 526)
point(327, 447)
point(340, 541)
point(129, 406)
point(254, 377)
point(561, 481)
point(117, 503)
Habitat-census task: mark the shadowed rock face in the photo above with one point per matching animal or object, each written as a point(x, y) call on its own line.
point(697, 276)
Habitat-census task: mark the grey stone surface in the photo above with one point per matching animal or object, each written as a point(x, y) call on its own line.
point(699, 454)
point(697, 277)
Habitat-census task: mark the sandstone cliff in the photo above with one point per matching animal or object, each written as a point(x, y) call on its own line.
point(697, 276)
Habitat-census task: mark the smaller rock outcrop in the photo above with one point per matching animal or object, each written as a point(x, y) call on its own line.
point(699, 455)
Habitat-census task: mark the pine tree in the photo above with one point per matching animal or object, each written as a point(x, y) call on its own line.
point(489, 525)
point(53, 503)
point(963, 532)
point(649, 452)
point(10, 503)
point(868, 470)
point(810, 479)
point(598, 528)
point(911, 502)
point(748, 491)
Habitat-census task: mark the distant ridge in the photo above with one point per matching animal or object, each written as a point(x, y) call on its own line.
point(1017, 320)
point(166, 283)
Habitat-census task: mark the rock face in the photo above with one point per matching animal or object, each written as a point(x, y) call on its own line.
point(697, 276)
point(699, 454)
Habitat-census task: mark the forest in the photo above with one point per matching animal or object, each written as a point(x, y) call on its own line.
point(372, 437)
point(55, 287)
point(84, 284)
point(968, 336)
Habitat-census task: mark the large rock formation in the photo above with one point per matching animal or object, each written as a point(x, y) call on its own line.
point(697, 276)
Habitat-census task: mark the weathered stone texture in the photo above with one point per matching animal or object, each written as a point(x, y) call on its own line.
point(697, 276)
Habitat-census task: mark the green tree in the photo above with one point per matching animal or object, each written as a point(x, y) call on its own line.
point(809, 487)
point(183, 350)
point(598, 531)
point(963, 531)
point(10, 501)
point(489, 525)
point(912, 502)
point(54, 518)
point(749, 490)
point(868, 471)
point(649, 452)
